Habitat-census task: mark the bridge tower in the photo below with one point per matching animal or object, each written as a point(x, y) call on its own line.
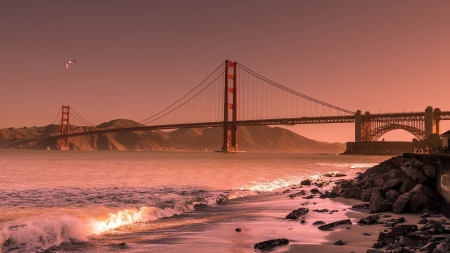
point(65, 127)
point(432, 121)
point(230, 108)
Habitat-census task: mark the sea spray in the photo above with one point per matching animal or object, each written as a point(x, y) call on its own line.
point(42, 234)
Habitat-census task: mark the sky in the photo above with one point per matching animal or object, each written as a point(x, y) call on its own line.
point(135, 57)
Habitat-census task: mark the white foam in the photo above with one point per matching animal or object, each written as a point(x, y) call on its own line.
point(43, 234)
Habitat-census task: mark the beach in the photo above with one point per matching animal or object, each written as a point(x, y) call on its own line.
point(130, 202)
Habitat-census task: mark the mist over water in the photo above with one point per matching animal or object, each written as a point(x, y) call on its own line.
point(52, 197)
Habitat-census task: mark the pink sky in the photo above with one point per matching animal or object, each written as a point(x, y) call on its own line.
point(136, 57)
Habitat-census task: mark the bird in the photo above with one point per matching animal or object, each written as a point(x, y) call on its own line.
point(67, 63)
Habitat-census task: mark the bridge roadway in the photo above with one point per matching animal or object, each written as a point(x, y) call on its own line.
point(282, 121)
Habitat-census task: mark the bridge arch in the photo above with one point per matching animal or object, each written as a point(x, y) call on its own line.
point(376, 133)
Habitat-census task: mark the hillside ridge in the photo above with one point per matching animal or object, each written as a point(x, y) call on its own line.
point(250, 138)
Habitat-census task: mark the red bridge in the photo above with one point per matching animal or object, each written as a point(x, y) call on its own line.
point(233, 95)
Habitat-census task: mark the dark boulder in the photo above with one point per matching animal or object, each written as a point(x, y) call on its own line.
point(269, 244)
point(401, 203)
point(419, 203)
point(351, 192)
point(305, 182)
point(429, 171)
point(415, 174)
point(331, 225)
point(295, 214)
point(371, 219)
point(393, 183)
point(420, 188)
point(407, 185)
point(361, 206)
point(366, 194)
point(392, 196)
point(378, 203)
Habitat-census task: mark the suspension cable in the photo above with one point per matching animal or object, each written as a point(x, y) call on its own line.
point(146, 122)
point(292, 91)
point(82, 119)
point(167, 108)
point(57, 115)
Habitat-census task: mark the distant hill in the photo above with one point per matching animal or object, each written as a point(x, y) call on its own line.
point(250, 138)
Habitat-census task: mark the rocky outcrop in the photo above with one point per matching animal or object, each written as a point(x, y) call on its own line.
point(399, 184)
point(432, 237)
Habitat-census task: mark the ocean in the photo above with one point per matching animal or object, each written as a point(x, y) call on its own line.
point(111, 201)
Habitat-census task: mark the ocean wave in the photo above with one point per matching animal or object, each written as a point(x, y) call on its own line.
point(42, 234)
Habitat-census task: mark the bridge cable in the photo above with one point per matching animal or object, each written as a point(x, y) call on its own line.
point(145, 120)
point(82, 119)
point(292, 91)
point(57, 115)
point(183, 102)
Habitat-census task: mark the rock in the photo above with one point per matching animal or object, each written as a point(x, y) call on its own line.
point(408, 241)
point(238, 230)
point(376, 247)
point(419, 203)
point(418, 163)
point(401, 230)
point(398, 220)
point(401, 203)
point(423, 221)
point(285, 191)
point(271, 243)
point(371, 219)
point(365, 233)
point(429, 171)
point(340, 242)
point(302, 222)
point(366, 194)
point(361, 206)
point(293, 195)
point(340, 175)
point(429, 247)
point(392, 196)
point(440, 249)
point(335, 191)
point(321, 210)
point(415, 174)
point(295, 214)
point(305, 182)
point(334, 224)
point(351, 192)
point(377, 203)
point(407, 185)
point(393, 183)
point(319, 222)
point(420, 188)
point(315, 191)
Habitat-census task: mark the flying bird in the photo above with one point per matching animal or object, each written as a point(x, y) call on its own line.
point(67, 63)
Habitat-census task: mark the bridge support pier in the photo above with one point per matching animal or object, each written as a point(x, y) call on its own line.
point(432, 121)
point(230, 143)
point(65, 127)
point(358, 126)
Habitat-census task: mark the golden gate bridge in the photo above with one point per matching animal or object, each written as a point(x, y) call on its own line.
point(234, 95)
